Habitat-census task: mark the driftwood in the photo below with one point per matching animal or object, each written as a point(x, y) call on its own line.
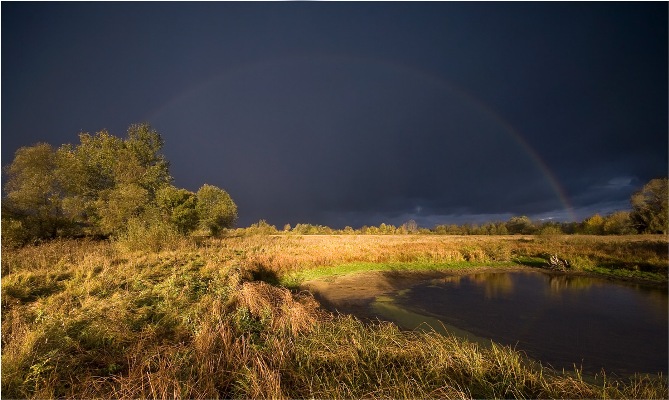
point(558, 264)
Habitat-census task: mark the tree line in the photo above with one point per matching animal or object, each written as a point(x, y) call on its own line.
point(649, 214)
point(101, 187)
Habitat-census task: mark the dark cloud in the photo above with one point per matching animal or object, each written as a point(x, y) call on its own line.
point(359, 113)
point(325, 135)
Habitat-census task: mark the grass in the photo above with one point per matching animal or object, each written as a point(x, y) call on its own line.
point(195, 320)
point(297, 259)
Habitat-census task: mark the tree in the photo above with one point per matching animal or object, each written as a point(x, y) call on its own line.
point(618, 223)
point(100, 186)
point(108, 180)
point(550, 228)
point(261, 227)
point(650, 207)
point(32, 207)
point(520, 225)
point(410, 226)
point(143, 147)
point(348, 230)
point(501, 229)
point(178, 208)
point(215, 209)
point(117, 206)
point(594, 225)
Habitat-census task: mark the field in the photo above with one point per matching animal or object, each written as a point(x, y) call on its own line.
point(225, 318)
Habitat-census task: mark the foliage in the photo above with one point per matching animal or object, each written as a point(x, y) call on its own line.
point(215, 209)
point(410, 226)
point(650, 209)
point(263, 228)
point(618, 223)
point(143, 236)
point(550, 230)
point(143, 146)
point(520, 225)
point(96, 188)
point(118, 205)
point(32, 208)
point(178, 208)
point(594, 225)
point(309, 229)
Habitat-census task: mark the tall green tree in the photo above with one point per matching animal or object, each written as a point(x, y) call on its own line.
point(93, 187)
point(117, 206)
point(150, 168)
point(109, 180)
point(32, 207)
point(177, 207)
point(594, 225)
point(650, 207)
point(135, 171)
point(215, 209)
point(87, 173)
point(102, 185)
point(520, 225)
point(618, 223)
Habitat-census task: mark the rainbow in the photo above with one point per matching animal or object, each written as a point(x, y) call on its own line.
point(413, 71)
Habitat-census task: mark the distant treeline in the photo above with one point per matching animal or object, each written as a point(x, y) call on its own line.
point(618, 223)
point(648, 215)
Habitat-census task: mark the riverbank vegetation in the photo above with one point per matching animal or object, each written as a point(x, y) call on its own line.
point(198, 319)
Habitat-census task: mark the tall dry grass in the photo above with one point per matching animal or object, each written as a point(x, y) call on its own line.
point(85, 319)
point(637, 254)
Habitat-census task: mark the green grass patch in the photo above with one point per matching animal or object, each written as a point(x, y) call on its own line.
point(536, 262)
point(623, 273)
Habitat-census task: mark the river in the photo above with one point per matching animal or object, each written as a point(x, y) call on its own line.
point(562, 320)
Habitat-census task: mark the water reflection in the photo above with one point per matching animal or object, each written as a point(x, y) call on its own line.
point(495, 284)
point(560, 319)
point(558, 283)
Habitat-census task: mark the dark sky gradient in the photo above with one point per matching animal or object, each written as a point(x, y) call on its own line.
point(358, 113)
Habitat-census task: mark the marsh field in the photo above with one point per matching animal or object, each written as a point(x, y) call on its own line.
point(233, 317)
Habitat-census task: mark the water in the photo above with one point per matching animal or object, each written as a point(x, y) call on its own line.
point(560, 320)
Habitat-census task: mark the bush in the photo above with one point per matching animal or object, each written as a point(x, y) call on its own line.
point(618, 223)
point(178, 207)
point(594, 225)
point(141, 236)
point(215, 209)
point(261, 228)
point(520, 225)
point(650, 207)
point(14, 233)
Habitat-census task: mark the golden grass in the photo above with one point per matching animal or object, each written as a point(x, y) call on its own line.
point(87, 319)
point(640, 255)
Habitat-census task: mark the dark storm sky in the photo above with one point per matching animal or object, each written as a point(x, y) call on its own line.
point(358, 113)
